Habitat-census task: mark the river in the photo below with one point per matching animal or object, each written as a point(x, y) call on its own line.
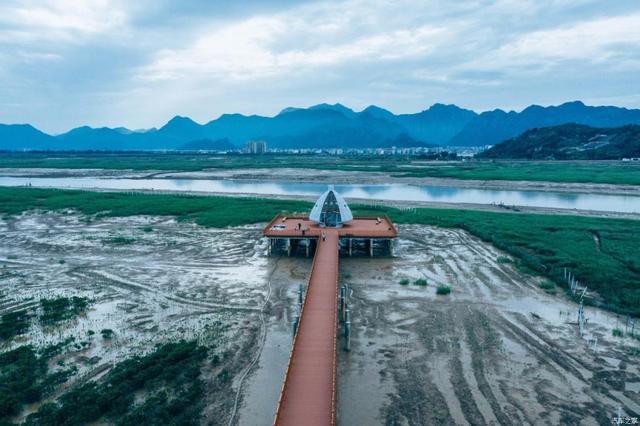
point(386, 192)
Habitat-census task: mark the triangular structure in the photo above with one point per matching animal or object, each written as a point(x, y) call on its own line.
point(331, 210)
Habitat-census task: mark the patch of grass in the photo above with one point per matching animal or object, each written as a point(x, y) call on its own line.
point(120, 240)
point(62, 308)
point(422, 282)
point(168, 378)
point(404, 281)
point(548, 286)
point(147, 229)
point(503, 259)
point(443, 290)
point(617, 332)
point(206, 211)
point(13, 324)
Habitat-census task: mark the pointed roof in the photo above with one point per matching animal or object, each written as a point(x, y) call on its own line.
point(331, 199)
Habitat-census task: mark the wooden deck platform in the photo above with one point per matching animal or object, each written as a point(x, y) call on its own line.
point(301, 227)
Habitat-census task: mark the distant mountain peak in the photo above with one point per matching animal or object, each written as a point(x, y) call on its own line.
point(288, 110)
point(374, 109)
point(180, 119)
point(335, 107)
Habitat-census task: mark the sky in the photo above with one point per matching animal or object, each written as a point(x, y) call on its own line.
point(67, 63)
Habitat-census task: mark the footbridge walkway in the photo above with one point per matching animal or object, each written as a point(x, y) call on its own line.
point(308, 395)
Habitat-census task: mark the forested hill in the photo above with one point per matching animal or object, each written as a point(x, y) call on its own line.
point(570, 142)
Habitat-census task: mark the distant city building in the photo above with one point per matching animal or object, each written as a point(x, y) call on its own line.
point(256, 147)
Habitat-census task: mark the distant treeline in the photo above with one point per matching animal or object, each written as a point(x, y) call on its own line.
point(570, 142)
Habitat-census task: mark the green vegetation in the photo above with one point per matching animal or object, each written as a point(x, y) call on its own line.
point(617, 332)
point(13, 324)
point(106, 333)
point(503, 259)
point(168, 380)
point(404, 281)
point(205, 211)
point(443, 290)
point(548, 287)
point(421, 282)
point(614, 172)
point(25, 378)
point(120, 240)
point(545, 244)
point(570, 142)
point(62, 308)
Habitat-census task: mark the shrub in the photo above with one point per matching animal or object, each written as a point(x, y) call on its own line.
point(13, 324)
point(421, 282)
point(404, 281)
point(107, 333)
point(62, 308)
point(503, 259)
point(617, 332)
point(443, 289)
point(147, 229)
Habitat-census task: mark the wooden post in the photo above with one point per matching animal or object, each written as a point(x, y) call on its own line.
point(296, 319)
point(347, 331)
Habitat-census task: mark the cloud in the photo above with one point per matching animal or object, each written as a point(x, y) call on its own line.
point(31, 21)
point(597, 40)
point(65, 63)
point(245, 50)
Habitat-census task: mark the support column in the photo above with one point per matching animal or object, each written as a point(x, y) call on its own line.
point(288, 246)
point(347, 331)
point(370, 247)
point(308, 244)
point(350, 247)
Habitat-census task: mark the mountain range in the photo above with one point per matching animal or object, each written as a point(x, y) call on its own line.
point(570, 142)
point(325, 126)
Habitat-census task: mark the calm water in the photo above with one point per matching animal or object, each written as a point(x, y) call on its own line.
point(394, 192)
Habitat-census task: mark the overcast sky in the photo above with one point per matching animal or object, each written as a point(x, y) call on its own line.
point(66, 63)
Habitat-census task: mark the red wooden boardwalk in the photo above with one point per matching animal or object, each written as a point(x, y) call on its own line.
point(308, 394)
